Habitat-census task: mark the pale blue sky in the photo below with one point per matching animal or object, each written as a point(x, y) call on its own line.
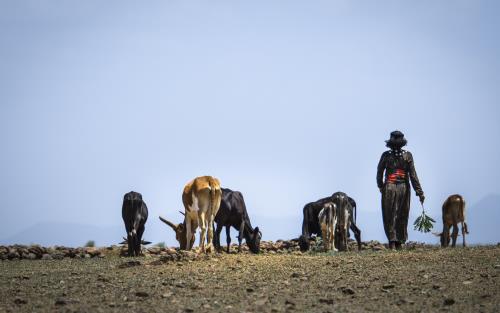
point(286, 101)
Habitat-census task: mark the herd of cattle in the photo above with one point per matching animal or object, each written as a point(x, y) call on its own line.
point(206, 203)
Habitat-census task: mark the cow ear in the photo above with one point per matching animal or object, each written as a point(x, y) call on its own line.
point(256, 230)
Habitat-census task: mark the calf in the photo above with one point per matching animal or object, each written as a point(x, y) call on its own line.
point(134, 214)
point(328, 221)
point(233, 212)
point(310, 223)
point(453, 213)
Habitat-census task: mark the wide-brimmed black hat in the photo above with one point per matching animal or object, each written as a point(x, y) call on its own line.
point(397, 140)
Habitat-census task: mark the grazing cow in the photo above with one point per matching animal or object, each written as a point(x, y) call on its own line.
point(328, 221)
point(134, 214)
point(453, 213)
point(233, 212)
point(201, 198)
point(344, 221)
point(310, 223)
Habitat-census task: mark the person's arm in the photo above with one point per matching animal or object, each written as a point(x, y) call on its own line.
point(414, 178)
point(380, 171)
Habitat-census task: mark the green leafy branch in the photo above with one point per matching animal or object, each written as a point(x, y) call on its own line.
point(424, 223)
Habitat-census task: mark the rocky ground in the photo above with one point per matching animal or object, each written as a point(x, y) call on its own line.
point(281, 279)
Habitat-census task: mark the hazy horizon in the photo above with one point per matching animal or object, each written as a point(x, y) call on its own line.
point(287, 102)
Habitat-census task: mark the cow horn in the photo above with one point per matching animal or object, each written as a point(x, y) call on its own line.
point(143, 242)
point(182, 213)
point(437, 234)
point(169, 223)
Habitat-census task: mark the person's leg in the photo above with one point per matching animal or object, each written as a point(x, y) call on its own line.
point(388, 213)
point(402, 214)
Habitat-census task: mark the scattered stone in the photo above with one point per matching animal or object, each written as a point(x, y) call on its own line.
point(20, 301)
point(129, 264)
point(327, 301)
point(167, 295)
point(449, 301)
point(46, 257)
point(250, 289)
point(142, 294)
point(388, 286)
point(61, 301)
point(347, 290)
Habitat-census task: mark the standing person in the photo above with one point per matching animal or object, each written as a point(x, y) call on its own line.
point(399, 171)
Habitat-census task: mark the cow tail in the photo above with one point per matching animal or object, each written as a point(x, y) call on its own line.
point(355, 209)
point(215, 196)
point(462, 211)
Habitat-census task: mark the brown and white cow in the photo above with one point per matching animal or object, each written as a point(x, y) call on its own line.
point(453, 213)
point(201, 198)
point(328, 222)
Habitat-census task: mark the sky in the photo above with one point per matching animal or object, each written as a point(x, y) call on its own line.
point(286, 101)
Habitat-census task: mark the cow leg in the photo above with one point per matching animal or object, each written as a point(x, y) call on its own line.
point(228, 237)
point(325, 238)
point(188, 231)
point(139, 240)
point(357, 234)
point(446, 235)
point(217, 236)
point(240, 235)
point(333, 232)
point(454, 235)
point(463, 234)
point(210, 235)
point(203, 230)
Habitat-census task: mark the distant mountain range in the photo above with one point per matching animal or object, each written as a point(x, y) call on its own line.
point(482, 218)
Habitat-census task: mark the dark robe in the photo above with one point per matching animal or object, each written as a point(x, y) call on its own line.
point(399, 171)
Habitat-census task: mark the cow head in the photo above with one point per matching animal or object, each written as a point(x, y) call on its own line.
point(444, 238)
point(180, 234)
point(304, 243)
point(254, 242)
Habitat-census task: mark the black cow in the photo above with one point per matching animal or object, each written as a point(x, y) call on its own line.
point(134, 214)
point(233, 212)
point(310, 223)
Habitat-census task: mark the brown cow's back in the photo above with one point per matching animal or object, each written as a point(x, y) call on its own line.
point(454, 209)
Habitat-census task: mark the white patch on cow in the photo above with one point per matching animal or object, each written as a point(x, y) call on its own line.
point(195, 207)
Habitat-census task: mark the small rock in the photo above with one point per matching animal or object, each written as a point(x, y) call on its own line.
point(295, 275)
point(348, 291)
point(61, 301)
point(327, 301)
point(129, 264)
point(142, 294)
point(388, 286)
point(167, 295)
point(20, 301)
point(31, 256)
point(250, 289)
point(449, 301)
point(467, 282)
point(46, 256)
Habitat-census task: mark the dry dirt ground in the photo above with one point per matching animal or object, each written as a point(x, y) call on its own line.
point(417, 280)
